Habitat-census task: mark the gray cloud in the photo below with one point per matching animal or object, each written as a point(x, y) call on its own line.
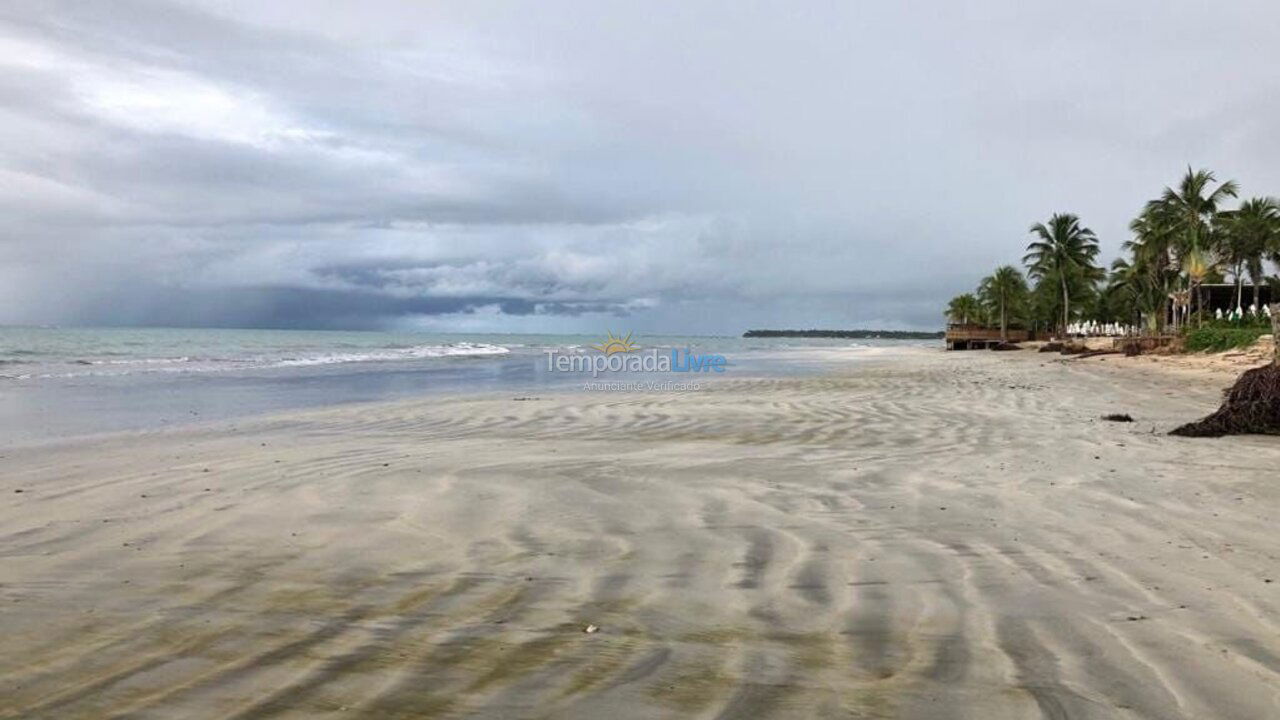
point(702, 167)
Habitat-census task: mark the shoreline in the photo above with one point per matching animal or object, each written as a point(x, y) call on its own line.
point(942, 534)
point(814, 361)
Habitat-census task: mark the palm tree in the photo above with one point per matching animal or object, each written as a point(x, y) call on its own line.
point(964, 309)
point(1152, 251)
point(1003, 291)
point(1251, 231)
point(1134, 290)
point(1191, 211)
point(1065, 253)
point(1197, 264)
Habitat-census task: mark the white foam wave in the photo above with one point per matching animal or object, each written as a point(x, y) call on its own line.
point(184, 364)
point(414, 353)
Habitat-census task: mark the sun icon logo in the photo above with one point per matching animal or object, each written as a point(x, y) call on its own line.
point(613, 345)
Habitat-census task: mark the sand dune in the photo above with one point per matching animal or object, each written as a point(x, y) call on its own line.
point(929, 536)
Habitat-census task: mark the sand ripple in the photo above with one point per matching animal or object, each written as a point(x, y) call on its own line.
point(950, 537)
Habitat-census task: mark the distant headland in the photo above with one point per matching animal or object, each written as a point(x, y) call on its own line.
point(854, 334)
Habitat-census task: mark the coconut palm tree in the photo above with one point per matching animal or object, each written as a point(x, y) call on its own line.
point(1197, 264)
point(1152, 252)
point(1251, 231)
point(1002, 292)
point(1191, 211)
point(964, 309)
point(1136, 291)
point(1065, 253)
point(1193, 205)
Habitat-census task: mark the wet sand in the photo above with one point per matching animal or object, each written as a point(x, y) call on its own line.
point(932, 536)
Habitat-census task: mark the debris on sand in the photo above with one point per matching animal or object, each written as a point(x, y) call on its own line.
point(1093, 353)
point(1051, 347)
point(1252, 406)
point(1118, 417)
point(1006, 346)
point(590, 629)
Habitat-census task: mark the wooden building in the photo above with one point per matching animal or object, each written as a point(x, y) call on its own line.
point(977, 337)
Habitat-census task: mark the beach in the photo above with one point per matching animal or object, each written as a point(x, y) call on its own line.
point(924, 535)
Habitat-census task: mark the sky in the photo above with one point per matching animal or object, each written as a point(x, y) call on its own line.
point(691, 167)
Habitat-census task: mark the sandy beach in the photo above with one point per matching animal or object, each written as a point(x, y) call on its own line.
point(927, 535)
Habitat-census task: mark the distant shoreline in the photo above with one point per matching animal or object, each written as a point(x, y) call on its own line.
point(851, 334)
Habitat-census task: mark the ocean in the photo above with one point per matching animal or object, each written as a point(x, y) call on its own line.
point(64, 382)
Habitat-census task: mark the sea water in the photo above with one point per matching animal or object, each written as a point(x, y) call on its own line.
point(60, 382)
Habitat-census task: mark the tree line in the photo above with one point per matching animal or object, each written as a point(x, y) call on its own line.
point(1182, 240)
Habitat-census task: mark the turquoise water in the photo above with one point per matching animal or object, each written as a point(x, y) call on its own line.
point(56, 382)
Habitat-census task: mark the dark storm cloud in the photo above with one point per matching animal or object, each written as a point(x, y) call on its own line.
point(293, 307)
point(705, 166)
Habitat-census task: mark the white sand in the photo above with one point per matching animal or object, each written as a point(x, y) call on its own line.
point(936, 536)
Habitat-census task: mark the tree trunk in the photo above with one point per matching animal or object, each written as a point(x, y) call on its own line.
point(1066, 308)
point(1004, 333)
point(1275, 333)
point(1162, 326)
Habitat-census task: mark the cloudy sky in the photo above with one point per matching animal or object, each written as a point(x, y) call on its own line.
point(570, 166)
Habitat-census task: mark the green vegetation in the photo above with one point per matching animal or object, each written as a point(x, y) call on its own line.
point(1219, 335)
point(1003, 293)
point(1182, 240)
point(965, 310)
point(1217, 339)
point(1063, 257)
